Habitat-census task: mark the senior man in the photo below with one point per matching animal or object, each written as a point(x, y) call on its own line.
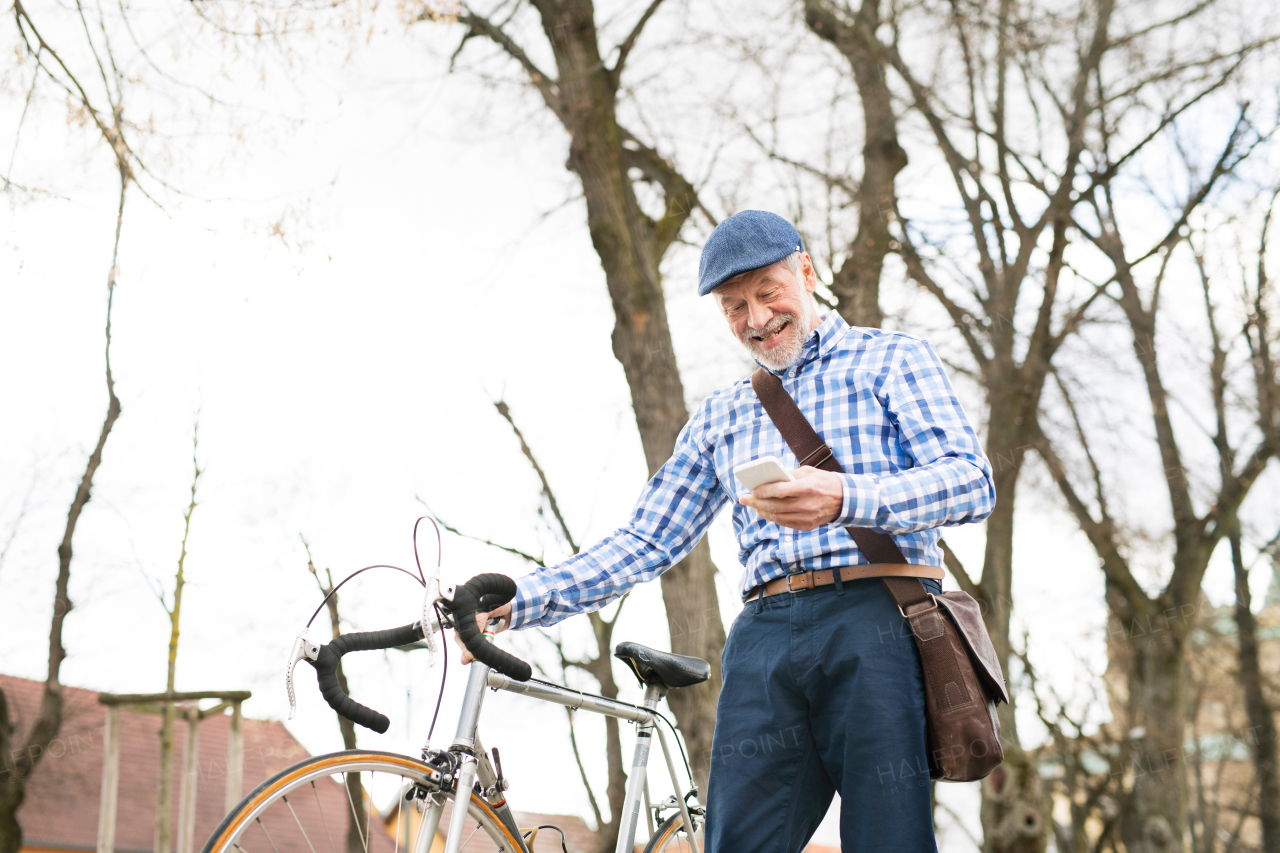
point(822, 689)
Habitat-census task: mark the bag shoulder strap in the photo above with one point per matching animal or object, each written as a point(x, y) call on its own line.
point(810, 449)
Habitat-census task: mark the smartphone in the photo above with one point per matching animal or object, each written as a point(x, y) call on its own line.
point(759, 472)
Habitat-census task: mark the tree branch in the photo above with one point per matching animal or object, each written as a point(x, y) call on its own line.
point(624, 49)
point(953, 564)
point(679, 195)
point(1102, 534)
point(537, 561)
point(505, 411)
point(479, 25)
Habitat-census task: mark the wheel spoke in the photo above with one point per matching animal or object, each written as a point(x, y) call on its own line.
point(268, 835)
point(328, 835)
point(346, 785)
point(299, 823)
point(285, 806)
point(422, 824)
point(399, 820)
point(368, 821)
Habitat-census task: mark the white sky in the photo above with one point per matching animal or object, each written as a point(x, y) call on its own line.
point(336, 382)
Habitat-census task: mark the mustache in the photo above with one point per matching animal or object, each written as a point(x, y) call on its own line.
point(769, 328)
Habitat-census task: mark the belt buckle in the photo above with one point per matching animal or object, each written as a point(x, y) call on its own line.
point(795, 575)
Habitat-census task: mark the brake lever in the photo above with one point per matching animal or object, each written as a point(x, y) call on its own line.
point(303, 647)
point(437, 590)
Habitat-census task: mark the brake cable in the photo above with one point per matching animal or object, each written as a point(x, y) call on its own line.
point(439, 545)
point(420, 581)
point(444, 676)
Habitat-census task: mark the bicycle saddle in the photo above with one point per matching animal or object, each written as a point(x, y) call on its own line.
point(662, 669)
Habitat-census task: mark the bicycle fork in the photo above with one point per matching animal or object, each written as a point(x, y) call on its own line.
point(466, 744)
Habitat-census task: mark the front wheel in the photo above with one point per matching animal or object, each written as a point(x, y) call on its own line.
point(672, 837)
point(352, 802)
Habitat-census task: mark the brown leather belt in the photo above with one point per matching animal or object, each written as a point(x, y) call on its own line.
point(825, 577)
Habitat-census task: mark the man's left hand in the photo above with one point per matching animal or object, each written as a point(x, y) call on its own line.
point(812, 499)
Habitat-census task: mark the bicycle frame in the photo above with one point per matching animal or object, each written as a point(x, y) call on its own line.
point(477, 767)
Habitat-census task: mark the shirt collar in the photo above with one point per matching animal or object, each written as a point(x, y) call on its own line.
point(821, 341)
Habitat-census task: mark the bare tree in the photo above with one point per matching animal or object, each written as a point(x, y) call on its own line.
point(168, 710)
point(599, 666)
point(583, 92)
point(1201, 508)
point(1265, 742)
point(1262, 721)
point(357, 829)
point(1087, 763)
point(855, 284)
point(18, 761)
point(1013, 106)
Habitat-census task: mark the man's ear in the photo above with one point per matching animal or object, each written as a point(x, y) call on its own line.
point(807, 273)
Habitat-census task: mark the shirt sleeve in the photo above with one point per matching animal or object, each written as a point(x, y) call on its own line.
point(670, 517)
point(949, 482)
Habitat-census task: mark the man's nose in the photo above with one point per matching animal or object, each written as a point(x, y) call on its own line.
point(758, 315)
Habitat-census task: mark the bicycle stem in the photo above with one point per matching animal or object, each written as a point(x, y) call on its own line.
point(469, 716)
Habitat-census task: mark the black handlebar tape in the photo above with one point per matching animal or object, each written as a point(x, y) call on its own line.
point(493, 590)
point(326, 665)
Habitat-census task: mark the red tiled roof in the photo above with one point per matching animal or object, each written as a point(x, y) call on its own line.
point(579, 838)
point(63, 795)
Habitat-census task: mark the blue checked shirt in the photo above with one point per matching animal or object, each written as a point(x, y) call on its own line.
point(880, 399)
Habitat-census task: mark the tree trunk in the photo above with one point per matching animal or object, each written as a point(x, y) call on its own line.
point(630, 249)
point(1262, 724)
point(1158, 805)
point(1015, 809)
point(355, 791)
point(164, 798)
point(856, 285)
point(357, 828)
point(16, 766)
point(164, 793)
point(601, 669)
point(1146, 647)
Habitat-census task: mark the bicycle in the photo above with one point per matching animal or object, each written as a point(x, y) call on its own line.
point(427, 788)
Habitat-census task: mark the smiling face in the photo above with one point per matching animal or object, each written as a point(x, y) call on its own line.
point(771, 311)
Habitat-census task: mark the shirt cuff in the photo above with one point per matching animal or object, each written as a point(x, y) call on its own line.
point(529, 603)
point(861, 501)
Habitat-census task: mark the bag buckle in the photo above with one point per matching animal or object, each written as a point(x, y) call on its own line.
point(823, 449)
point(906, 615)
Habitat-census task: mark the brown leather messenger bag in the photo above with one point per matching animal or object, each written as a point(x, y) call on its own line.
point(962, 677)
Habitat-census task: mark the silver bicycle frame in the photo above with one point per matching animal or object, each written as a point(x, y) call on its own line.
point(477, 766)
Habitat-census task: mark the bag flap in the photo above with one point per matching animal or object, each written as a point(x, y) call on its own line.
point(967, 615)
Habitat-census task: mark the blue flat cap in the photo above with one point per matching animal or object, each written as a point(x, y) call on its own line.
point(748, 240)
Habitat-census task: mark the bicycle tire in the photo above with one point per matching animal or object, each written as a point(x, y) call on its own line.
point(276, 826)
point(671, 837)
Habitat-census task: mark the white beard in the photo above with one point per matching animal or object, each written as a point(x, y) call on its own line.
point(791, 346)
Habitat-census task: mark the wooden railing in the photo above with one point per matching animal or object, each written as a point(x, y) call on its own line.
point(193, 714)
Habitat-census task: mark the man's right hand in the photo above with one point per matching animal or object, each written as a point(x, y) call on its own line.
point(482, 620)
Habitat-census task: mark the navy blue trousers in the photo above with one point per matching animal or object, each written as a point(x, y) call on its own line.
point(822, 693)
